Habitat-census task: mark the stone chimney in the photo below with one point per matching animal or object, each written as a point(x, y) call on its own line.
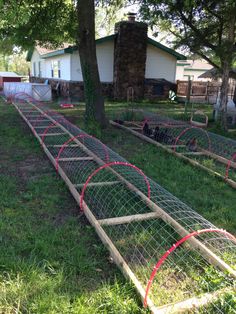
point(130, 57)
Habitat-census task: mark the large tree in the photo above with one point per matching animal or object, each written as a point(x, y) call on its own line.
point(205, 27)
point(50, 23)
point(87, 51)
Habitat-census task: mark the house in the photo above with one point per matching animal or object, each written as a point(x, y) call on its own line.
point(128, 61)
point(9, 77)
point(191, 69)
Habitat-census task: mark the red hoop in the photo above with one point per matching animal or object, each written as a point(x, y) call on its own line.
point(106, 166)
point(173, 247)
point(190, 128)
point(56, 122)
point(43, 114)
point(228, 165)
point(80, 136)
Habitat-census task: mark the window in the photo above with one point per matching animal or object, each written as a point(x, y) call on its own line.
point(34, 69)
point(40, 71)
point(56, 69)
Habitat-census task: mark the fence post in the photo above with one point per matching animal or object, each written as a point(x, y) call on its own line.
point(188, 95)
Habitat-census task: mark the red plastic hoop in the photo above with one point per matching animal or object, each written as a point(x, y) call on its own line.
point(56, 122)
point(190, 128)
point(173, 247)
point(106, 166)
point(228, 165)
point(43, 114)
point(80, 136)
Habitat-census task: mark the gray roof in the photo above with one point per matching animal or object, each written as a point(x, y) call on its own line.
point(9, 74)
point(215, 73)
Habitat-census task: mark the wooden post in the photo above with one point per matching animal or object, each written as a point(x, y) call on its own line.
point(119, 260)
point(178, 155)
point(212, 258)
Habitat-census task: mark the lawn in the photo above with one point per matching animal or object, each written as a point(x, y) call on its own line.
point(209, 196)
point(51, 258)
point(53, 262)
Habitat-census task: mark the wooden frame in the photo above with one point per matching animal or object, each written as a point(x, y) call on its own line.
point(157, 213)
point(178, 155)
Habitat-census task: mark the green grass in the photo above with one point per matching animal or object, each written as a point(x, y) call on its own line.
point(209, 196)
point(51, 259)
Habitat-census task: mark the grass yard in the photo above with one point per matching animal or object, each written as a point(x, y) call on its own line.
point(209, 196)
point(51, 259)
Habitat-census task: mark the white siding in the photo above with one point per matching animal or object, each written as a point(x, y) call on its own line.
point(179, 72)
point(160, 64)
point(105, 57)
point(64, 66)
point(36, 59)
point(192, 69)
point(76, 72)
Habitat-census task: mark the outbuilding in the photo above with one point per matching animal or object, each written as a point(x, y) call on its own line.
point(9, 77)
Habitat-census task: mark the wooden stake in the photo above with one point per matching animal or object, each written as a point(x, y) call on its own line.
point(219, 158)
point(80, 185)
point(45, 126)
point(193, 153)
point(178, 155)
point(119, 260)
point(72, 145)
point(212, 258)
point(127, 219)
point(192, 303)
point(75, 158)
point(52, 134)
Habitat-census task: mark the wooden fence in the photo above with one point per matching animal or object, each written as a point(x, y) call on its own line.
point(203, 92)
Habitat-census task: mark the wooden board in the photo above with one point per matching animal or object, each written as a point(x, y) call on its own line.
point(127, 219)
point(81, 185)
point(75, 158)
point(210, 256)
point(106, 240)
point(178, 155)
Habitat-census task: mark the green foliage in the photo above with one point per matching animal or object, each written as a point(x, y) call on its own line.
point(199, 26)
point(130, 115)
point(48, 22)
point(51, 260)
point(15, 62)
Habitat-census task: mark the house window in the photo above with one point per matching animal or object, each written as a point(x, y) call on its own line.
point(40, 70)
point(56, 69)
point(34, 68)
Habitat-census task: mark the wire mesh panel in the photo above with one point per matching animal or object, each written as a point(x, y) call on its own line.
point(210, 151)
point(141, 219)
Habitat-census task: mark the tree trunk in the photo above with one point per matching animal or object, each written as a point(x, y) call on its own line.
point(5, 61)
point(226, 63)
point(224, 93)
point(95, 111)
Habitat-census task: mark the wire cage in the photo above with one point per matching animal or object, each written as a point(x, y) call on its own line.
point(212, 151)
point(178, 261)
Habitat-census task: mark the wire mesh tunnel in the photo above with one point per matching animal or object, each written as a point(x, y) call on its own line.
point(210, 150)
point(139, 220)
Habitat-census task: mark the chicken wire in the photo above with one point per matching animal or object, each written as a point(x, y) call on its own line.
point(142, 219)
point(214, 151)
